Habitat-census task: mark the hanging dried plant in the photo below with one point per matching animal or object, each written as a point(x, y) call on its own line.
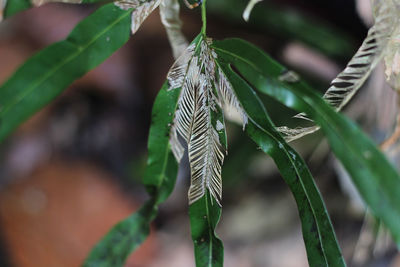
point(142, 9)
point(380, 42)
point(199, 118)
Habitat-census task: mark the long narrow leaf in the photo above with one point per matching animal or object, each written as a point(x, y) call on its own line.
point(204, 216)
point(159, 179)
point(15, 6)
point(195, 120)
point(376, 179)
point(49, 72)
point(319, 237)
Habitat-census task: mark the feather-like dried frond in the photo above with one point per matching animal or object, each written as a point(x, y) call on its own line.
point(198, 106)
point(206, 154)
point(141, 10)
point(169, 12)
point(177, 73)
point(177, 79)
point(347, 83)
point(291, 134)
point(229, 98)
point(184, 115)
point(199, 118)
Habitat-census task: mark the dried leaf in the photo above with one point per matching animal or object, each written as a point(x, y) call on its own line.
point(199, 118)
point(176, 78)
point(229, 98)
point(347, 83)
point(292, 134)
point(169, 12)
point(142, 9)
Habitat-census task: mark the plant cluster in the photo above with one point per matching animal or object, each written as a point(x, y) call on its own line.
point(209, 77)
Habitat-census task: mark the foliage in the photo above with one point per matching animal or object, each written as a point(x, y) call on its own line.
point(208, 76)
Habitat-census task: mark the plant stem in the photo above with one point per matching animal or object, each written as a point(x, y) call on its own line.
point(204, 17)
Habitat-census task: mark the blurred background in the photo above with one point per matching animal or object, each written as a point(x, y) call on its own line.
point(73, 170)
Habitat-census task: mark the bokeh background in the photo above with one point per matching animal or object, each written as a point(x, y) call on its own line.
point(73, 170)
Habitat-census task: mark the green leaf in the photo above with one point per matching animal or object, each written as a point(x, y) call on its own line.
point(204, 216)
point(124, 238)
point(319, 237)
point(15, 6)
point(376, 179)
point(49, 72)
point(204, 212)
point(160, 178)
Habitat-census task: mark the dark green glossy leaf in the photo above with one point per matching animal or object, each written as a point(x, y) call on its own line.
point(204, 216)
point(49, 72)
point(376, 179)
point(15, 6)
point(123, 238)
point(319, 237)
point(159, 179)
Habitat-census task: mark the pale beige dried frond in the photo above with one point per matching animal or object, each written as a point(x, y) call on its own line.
point(169, 12)
point(141, 10)
point(177, 73)
point(291, 134)
point(199, 119)
point(195, 75)
point(206, 154)
point(177, 79)
point(347, 83)
point(229, 98)
point(184, 115)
